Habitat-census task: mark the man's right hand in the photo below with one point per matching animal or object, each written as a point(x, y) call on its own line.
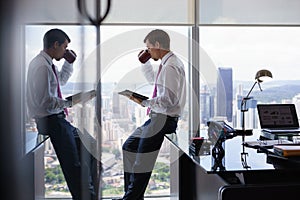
point(68, 103)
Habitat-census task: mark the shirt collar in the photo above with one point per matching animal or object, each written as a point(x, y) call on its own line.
point(47, 57)
point(166, 57)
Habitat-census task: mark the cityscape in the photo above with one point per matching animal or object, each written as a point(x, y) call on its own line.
point(120, 116)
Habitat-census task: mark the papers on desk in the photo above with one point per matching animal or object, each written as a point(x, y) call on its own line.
point(266, 143)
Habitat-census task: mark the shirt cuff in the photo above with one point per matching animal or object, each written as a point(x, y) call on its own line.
point(146, 103)
point(68, 104)
point(68, 64)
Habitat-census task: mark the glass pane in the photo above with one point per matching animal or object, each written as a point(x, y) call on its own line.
point(237, 54)
point(83, 42)
point(249, 12)
point(124, 12)
point(120, 70)
point(143, 11)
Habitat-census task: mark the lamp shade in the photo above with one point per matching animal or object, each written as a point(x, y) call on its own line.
point(262, 74)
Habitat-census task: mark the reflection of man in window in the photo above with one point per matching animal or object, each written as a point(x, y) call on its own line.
point(46, 106)
point(141, 149)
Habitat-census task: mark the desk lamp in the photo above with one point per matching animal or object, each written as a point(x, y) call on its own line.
point(260, 76)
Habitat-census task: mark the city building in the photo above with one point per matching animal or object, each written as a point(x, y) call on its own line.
point(224, 93)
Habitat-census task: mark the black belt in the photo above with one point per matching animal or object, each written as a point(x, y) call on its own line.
point(58, 115)
point(153, 114)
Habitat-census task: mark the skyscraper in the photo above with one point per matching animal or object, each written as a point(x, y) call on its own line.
point(116, 105)
point(205, 105)
point(224, 93)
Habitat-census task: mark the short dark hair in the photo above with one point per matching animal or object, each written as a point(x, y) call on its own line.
point(159, 36)
point(54, 35)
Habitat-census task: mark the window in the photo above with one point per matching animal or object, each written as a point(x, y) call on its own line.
point(233, 46)
point(245, 50)
point(120, 69)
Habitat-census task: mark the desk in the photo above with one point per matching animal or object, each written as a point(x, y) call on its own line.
point(33, 140)
point(203, 180)
point(33, 162)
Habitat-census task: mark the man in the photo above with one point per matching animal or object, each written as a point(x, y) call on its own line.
point(47, 107)
point(141, 148)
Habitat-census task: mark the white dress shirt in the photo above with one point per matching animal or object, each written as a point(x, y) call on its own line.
point(42, 97)
point(171, 86)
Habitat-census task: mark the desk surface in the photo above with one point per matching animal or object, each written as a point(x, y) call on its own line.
point(33, 140)
point(237, 157)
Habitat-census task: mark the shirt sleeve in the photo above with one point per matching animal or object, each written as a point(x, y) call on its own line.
point(65, 73)
point(148, 72)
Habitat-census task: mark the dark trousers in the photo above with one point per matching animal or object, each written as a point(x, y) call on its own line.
point(140, 152)
point(74, 158)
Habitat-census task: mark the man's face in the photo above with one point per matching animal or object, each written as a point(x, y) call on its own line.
point(60, 50)
point(153, 50)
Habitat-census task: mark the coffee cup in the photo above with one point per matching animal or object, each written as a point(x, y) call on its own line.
point(144, 56)
point(70, 56)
